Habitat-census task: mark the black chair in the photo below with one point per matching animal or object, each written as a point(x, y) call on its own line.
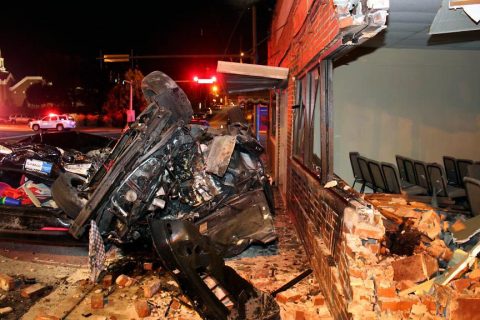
point(401, 167)
point(393, 183)
point(473, 171)
point(451, 170)
point(410, 171)
point(462, 165)
point(439, 183)
point(377, 175)
point(367, 176)
point(472, 186)
point(422, 175)
point(357, 173)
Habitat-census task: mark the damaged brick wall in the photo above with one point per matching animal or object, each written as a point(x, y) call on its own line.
point(298, 42)
point(320, 227)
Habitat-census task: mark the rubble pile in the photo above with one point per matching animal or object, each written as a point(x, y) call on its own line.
point(406, 263)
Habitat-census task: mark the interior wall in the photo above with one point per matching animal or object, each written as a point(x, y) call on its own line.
point(418, 103)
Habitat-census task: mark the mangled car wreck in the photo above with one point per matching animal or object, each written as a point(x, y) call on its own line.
point(197, 194)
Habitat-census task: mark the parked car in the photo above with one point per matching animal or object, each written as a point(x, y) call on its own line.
point(53, 121)
point(20, 118)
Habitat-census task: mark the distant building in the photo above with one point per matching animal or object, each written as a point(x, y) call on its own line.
point(18, 91)
point(6, 79)
point(13, 95)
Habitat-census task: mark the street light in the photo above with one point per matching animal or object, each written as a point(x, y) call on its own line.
point(130, 111)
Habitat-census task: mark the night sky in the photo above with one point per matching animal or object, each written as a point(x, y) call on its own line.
point(62, 41)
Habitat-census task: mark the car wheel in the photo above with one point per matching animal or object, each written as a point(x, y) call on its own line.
point(36, 127)
point(65, 193)
point(59, 127)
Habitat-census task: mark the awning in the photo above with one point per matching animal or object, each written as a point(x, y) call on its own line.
point(244, 77)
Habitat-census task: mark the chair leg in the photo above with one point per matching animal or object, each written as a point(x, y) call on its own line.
point(354, 181)
point(362, 189)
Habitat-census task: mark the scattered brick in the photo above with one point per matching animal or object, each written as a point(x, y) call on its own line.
point(368, 231)
point(5, 310)
point(288, 296)
point(461, 284)
point(386, 292)
point(465, 309)
point(175, 305)
point(6, 282)
point(36, 289)
point(416, 268)
point(358, 273)
point(121, 280)
point(430, 303)
point(107, 281)
point(318, 300)
point(395, 305)
point(142, 308)
point(97, 301)
point(151, 288)
point(148, 266)
point(299, 315)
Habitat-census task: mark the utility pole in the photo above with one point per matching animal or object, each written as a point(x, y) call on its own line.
point(254, 34)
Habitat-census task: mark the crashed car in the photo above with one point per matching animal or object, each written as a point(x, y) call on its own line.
point(197, 194)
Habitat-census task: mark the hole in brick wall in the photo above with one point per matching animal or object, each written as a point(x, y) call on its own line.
point(403, 241)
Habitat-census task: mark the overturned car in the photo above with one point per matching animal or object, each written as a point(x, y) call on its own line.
point(196, 193)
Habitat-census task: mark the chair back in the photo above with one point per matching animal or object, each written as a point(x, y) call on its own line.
point(451, 170)
point(410, 171)
point(473, 171)
point(472, 186)
point(357, 173)
point(363, 164)
point(437, 179)
point(377, 175)
point(401, 167)
point(392, 179)
point(462, 165)
point(422, 175)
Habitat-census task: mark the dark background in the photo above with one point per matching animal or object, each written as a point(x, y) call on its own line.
point(62, 41)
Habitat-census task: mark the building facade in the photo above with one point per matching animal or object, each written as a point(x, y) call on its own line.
point(306, 36)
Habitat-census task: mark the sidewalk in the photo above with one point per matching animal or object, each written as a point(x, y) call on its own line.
point(268, 268)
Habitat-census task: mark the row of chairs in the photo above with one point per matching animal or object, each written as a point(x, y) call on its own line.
point(417, 178)
point(430, 176)
point(457, 169)
point(412, 177)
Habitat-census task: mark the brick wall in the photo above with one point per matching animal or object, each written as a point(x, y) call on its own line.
point(318, 217)
point(299, 44)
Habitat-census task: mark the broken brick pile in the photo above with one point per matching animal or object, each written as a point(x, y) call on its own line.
point(400, 265)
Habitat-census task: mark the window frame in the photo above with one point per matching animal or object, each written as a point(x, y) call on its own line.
point(307, 93)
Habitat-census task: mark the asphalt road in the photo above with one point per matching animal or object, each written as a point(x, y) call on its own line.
point(10, 132)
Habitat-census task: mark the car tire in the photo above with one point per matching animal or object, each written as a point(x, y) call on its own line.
point(65, 194)
point(36, 127)
point(60, 127)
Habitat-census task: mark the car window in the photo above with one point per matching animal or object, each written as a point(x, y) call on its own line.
point(53, 118)
point(45, 118)
point(62, 118)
